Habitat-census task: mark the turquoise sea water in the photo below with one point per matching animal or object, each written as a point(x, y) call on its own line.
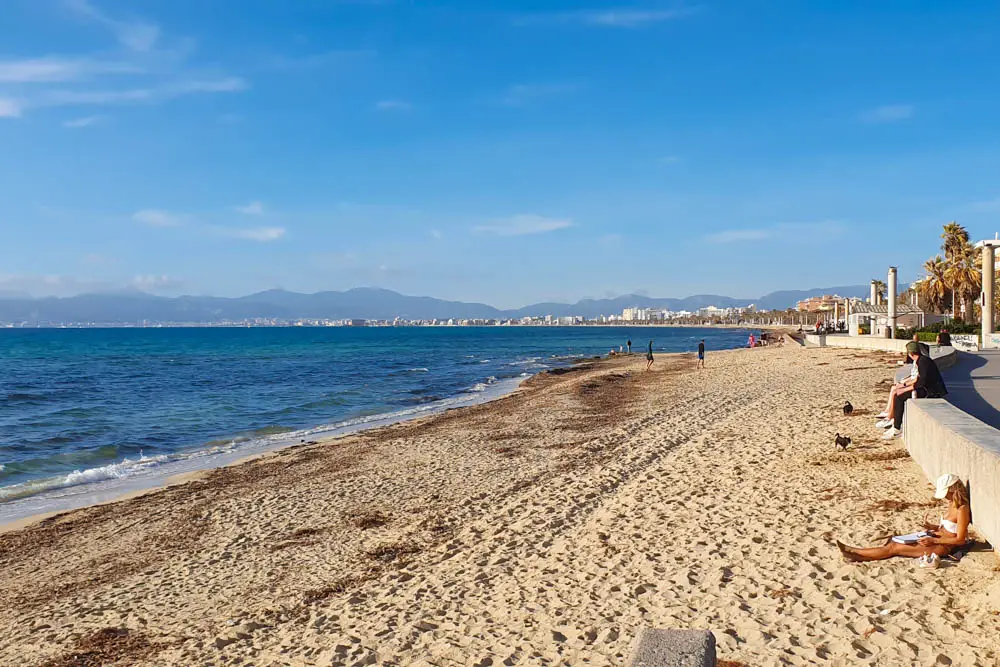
point(85, 406)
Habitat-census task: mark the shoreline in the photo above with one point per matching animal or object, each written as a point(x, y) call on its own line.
point(22, 512)
point(550, 525)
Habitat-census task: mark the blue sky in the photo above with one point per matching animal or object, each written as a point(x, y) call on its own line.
point(506, 152)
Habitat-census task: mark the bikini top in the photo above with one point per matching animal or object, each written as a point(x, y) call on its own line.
point(950, 526)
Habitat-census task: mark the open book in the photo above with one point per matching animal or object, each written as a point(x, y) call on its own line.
point(912, 538)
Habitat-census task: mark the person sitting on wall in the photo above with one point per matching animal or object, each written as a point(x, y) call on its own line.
point(944, 338)
point(927, 383)
point(949, 535)
point(886, 417)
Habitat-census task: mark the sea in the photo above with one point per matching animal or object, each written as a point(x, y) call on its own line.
point(89, 414)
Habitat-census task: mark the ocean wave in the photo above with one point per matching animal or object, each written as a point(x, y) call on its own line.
point(483, 386)
point(417, 370)
point(126, 468)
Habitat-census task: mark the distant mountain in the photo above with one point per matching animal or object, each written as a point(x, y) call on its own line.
point(788, 298)
point(363, 303)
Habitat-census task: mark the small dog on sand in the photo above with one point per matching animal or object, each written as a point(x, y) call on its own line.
point(842, 442)
point(848, 408)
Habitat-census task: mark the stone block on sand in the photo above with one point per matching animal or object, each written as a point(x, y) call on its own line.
point(674, 648)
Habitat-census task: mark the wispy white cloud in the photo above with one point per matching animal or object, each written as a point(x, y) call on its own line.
point(607, 18)
point(889, 113)
point(150, 283)
point(393, 105)
point(611, 239)
point(253, 208)
point(136, 35)
point(668, 159)
point(436, 234)
point(314, 60)
point(52, 69)
point(157, 218)
point(526, 93)
point(86, 121)
point(737, 235)
point(632, 18)
point(9, 108)
point(159, 93)
point(261, 234)
point(784, 230)
point(521, 225)
point(989, 206)
point(150, 69)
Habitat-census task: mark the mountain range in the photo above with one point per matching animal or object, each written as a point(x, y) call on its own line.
point(361, 303)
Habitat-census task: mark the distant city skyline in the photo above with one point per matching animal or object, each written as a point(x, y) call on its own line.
point(507, 153)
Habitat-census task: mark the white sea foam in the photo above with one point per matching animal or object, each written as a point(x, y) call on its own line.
point(483, 386)
point(126, 468)
point(417, 370)
point(1, 467)
point(83, 487)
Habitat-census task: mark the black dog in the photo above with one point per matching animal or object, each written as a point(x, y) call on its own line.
point(848, 408)
point(842, 442)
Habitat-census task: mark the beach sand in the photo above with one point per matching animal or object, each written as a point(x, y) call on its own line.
point(547, 527)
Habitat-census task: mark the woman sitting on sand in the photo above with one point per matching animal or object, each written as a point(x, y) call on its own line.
point(951, 533)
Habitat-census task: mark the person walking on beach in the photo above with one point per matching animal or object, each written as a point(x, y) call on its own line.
point(649, 356)
point(701, 353)
point(629, 344)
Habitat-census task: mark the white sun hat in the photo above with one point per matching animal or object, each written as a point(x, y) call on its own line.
point(944, 483)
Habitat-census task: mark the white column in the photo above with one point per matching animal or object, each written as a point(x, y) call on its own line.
point(989, 277)
point(891, 289)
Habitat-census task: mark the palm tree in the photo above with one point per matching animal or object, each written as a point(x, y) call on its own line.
point(965, 278)
point(880, 290)
point(956, 242)
point(934, 288)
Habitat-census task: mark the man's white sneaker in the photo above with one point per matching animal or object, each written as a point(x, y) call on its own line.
point(892, 433)
point(885, 423)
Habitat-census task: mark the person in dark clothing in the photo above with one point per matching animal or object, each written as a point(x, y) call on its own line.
point(649, 356)
point(628, 344)
point(701, 353)
point(929, 384)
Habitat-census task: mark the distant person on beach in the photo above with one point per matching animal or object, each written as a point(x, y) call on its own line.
point(950, 534)
point(629, 344)
point(752, 341)
point(649, 356)
point(701, 353)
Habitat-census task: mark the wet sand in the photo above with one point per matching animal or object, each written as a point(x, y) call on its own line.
point(546, 527)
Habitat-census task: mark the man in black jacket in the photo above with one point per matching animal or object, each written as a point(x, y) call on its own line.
point(928, 384)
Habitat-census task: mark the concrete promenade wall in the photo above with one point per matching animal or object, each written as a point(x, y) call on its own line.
point(943, 439)
point(856, 342)
point(944, 356)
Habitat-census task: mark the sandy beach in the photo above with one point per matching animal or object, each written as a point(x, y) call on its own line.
point(547, 527)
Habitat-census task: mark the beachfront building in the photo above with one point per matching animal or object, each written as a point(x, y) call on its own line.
point(876, 318)
point(819, 304)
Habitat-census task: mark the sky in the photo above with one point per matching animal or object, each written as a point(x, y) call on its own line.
point(504, 152)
